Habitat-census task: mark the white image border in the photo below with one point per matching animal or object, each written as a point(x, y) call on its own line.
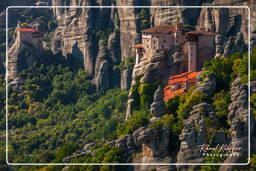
point(159, 164)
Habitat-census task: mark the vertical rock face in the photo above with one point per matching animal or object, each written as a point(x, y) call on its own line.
point(74, 34)
point(195, 134)
point(168, 16)
point(129, 37)
point(238, 120)
point(235, 44)
point(128, 28)
point(126, 79)
point(101, 79)
point(20, 56)
point(226, 23)
point(22, 52)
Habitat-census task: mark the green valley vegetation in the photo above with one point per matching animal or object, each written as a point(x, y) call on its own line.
point(57, 110)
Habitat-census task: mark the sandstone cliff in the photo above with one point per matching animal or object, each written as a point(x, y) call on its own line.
point(75, 32)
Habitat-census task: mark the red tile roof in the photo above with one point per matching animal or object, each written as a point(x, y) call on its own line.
point(187, 77)
point(184, 77)
point(168, 95)
point(27, 30)
point(201, 32)
point(139, 46)
point(160, 29)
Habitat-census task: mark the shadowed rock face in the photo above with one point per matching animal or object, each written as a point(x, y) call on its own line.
point(238, 121)
point(75, 28)
point(21, 55)
point(195, 135)
point(158, 108)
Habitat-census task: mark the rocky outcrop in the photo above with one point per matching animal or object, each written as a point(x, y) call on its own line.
point(101, 79)
point(129, 37)
point(226, 23)
point(158, 108)
point(208, 86)
point(146, 146)
point(126, 79)
point(238, 120)
point(74, 34)
point(235, 44)
point(21, 55)
point(85, 151)
point(129, 28)
point(158, 66)
point(195, 134)
point(126, 143)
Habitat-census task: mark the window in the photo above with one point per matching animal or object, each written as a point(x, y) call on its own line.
point(162, 46)
point(147, 46)
point(154, 42)
point(164, 41)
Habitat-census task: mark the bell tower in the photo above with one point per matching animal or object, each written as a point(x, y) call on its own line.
point(192, 45)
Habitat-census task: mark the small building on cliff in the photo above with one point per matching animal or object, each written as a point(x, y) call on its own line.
point(197, 45)
point(30, 35)
point(24, 49)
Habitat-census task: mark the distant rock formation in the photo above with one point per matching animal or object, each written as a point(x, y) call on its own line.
point(24, 50)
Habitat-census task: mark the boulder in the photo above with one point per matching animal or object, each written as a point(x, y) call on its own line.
point(208, 86)
point(158, 106)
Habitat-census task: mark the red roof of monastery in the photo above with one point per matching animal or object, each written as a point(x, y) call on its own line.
point(160, 29)
point(187, 77)
point(27, 30)
point(184, 77)
point(169, 95)
point(201, 32)
point(139, 46)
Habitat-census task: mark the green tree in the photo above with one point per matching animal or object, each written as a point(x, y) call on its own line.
point(144, 18)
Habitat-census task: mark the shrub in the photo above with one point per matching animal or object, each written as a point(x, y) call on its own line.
point(221, 101)
point(146, 92)
point(253, 104)
point(165, 121)
point(187, 26)
point(144, 18)
point(135, 94)
point(253, 161)
point(222, 69)
point(64, 151)
point(173, 104)
point(126, 63)
point(138, 119)
point(104, 154)
point(191, 100)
